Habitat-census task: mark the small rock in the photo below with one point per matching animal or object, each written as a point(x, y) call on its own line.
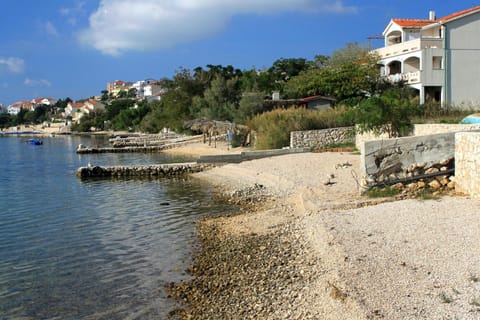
point(434, 184)
point(445, 162)
point(412, 186)
point(398, 186)
point(431, 170)
point(421, 165)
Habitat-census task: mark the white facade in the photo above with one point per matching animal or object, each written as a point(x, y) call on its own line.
point(13, 110)
point(435, 56)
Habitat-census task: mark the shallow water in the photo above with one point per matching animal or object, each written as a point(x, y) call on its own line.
point(100, 249)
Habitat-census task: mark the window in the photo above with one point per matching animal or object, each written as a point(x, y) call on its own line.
point(437, 62)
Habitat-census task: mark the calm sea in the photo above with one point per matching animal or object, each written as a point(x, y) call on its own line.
point(100, 249)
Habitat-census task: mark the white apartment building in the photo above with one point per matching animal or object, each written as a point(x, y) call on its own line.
point(439, 57)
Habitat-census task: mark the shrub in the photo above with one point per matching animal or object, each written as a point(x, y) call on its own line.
point(273, 128)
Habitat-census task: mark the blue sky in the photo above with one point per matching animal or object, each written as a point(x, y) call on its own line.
point(72, 48)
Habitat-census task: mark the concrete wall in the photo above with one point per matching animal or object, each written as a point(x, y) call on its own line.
point(427, 129)
point(382, 159)
point(463, 78)
point(360, 138)
point(467, 163)
point(420, 130)
point(247, 155)
point(319, 138)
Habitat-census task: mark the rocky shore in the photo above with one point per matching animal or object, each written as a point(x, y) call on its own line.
point(305, 249)
point(247, 275)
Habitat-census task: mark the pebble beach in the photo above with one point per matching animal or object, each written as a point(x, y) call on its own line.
point(307, 245)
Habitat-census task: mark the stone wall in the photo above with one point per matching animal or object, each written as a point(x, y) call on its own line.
point(467, 163)
point(161, 170)
point(386, 161)
point(320, 138)
point(427, 129)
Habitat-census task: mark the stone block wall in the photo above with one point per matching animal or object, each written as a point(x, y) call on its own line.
point(467, 163)
point(320, 138)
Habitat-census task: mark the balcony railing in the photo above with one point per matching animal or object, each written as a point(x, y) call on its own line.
point(409, 77)
point(408, 47)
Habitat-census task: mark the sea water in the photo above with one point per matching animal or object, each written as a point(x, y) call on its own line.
point(95, 249)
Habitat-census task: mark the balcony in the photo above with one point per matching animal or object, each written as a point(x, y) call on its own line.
point(408, 78)
point(408, 47)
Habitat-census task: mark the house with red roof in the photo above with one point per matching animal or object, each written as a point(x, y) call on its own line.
point(439, 57)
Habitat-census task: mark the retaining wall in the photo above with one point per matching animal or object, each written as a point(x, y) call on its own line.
point(427, 129)
point(419, 130)
point(467, 163)
point(393, 159)
point(320, 138)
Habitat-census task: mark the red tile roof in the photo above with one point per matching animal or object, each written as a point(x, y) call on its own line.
point(412, 23)
point(419, 23)
point(458, 14)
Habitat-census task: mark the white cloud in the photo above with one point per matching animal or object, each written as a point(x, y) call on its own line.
point(119, 25)
point(14, 65)
point(51, 30)
point(37, 83)
point(73, 13)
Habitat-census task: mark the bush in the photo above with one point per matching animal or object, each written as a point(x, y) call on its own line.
point(435, 113)
point(273, 128)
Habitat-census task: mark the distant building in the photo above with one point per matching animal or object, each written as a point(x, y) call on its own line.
point(116, 85)
point(77, 110)
point(317, 102)
point(15, 108)
point(143, 88)
point(42, 101)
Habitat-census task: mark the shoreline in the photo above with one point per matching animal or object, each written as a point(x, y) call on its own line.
point(305, 249)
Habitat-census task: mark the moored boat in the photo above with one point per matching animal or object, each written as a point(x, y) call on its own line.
point(36, 142)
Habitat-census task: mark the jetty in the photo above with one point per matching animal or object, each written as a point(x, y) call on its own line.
point(141, 143)
point(160, 170)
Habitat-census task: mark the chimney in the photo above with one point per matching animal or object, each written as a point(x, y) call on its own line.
point(276, 95)
point(431, 15)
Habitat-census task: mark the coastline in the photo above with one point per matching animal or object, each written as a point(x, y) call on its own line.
point(308, 246)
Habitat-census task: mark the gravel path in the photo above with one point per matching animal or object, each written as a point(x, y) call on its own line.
point(310, 247)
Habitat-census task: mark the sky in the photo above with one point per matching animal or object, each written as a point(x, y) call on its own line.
point(72, 48)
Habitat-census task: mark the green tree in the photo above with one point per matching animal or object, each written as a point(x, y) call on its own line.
point(132, 93)
point(122, 94)
point(6, 120)
point(114, 108)
point(349, 76)
point(105, 96)
point(251, 104)
point(220, 100)
point(284, 69)
point(390, 113)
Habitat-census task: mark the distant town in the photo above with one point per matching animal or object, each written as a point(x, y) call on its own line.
point(148, 89)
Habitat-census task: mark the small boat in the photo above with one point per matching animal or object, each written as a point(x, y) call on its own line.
point(36, 142)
